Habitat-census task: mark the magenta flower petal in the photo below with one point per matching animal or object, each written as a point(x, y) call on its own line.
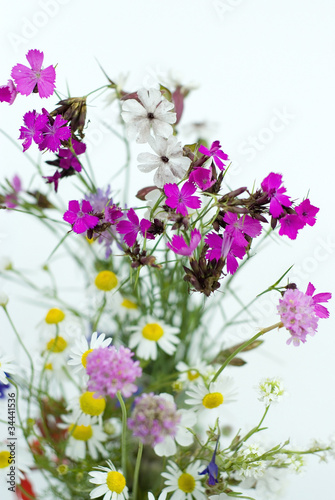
point(35, 59)
point(320, 311)
point(79, 216)
point(181, 199)
point(290, 225)
point(216, 153)
point(271, 186)
point(307, 212)
point(27, 79)
point(179, 246)
point(8, 92)
point(202, 177)
point(54, 133)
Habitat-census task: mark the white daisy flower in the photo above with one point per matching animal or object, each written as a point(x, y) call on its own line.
point(83, 439)
point(162, 496)
point(56, 350)
point(112, 483)
point(124, 308)
point(152, 112)
point(170, 163)
point(56, 321)
point(210, 399)
point(222, 496)
point(82, 349)
point(16, 456)
point(113, 427)
point(6, 366)
point(183, 437)
point(149, 333)
point(270, 390)
point(190, 373)
point(87, 405)
point(185, 485)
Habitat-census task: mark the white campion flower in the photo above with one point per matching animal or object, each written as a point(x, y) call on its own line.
point(152, 112)
point(169, 162)
point(270, 390)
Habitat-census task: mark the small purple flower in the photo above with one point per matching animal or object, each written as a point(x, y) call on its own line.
point(33, 130)
point(153, 419)
point(226, 248)
point(68, 159)
point(202, 177)
point(131, 227)
point(111, 370)
point(179, 245)
point(272, 186)
point(54, 132)
point(307, 212)
point(216, 153)
point(8, 92)
point(53, 179)
point(80, 217)
point(100, 199)
point(34, 79)
point(112, 214)
point(237, 227)
point(290, 225)
point(320, 311)
point(212, 469)
point(181, 199)
point(11, 199)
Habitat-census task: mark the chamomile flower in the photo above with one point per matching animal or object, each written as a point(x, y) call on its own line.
point(212, 398)
point(185, 484)
point(124, 307)
point(56, 349)
point(151, 332)
point(112, 483)
point(83, 438)
point(162, 496)
point(86, 406)
point(6, 367)
point(19, 457)
point(82, 349)
point(190, 373)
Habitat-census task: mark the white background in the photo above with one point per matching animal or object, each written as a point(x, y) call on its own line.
point(254, 60)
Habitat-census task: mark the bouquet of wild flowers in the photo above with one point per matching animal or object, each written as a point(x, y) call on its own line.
point(127, 394)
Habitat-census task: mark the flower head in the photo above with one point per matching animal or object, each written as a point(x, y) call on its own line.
point(150, 333)
point(216, 153)
point(297, 313)
point(210, 399)
point(34, 79)
point(11, 199)
point(307, 212)
point(67, 159)
point(6, 367)
point(80, 217)
point(131, 227)
point(8, 92)
point(54, 132)
point(270, 391)
point(238, 227)
point(182, 198)
point(202, 178)
point(112, 483)
point(272, 186)
point(150, 111)
point(33, 130)
point(179, 246)
point(290, 225)
point(169, 162)
point(82, 348)
point(320, 311)
point(184, 483)
point(111, 370)
point(212, 469)
point(83, 439)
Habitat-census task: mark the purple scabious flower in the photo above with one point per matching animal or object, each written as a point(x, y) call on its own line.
point(307, 212)
point(111, 370)
point(202, 177)
point(216, 153)
point(54, 132)
point(131, 227)
point(320, 311)
point(80, 217)
point(33, 130)
point(179, 246)
point(182, 198)
point(272, 186)
point(8, 92)
point(297, 313)
point(34, 79)
point(100, 199)
point(237, 227)
point(153, 419)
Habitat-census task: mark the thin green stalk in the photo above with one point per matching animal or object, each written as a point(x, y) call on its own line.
point(123, 435)
point(137, 469)
point(243, 346)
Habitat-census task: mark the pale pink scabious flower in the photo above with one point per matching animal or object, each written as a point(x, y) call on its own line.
point(111, 370)
point(297, 313)
point(153, 419)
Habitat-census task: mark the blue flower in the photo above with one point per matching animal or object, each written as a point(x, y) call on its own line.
point(3, 388)
point(212, 469)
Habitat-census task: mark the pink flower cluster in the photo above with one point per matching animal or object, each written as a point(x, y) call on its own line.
point(153, 418)
point(300, 312)
point(111, 370)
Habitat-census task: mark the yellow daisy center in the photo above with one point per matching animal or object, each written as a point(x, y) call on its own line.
point(192, 375)
point(186, 483)
point(116, 481)
point(4, 457)
point(152, 331)
point(212, 400)
point(106, 281)
point(91, 405)
point(54, 316)
point(84, 357)
point(81, 432)
point(57, 344)
point(128, 304)
point(48, 366)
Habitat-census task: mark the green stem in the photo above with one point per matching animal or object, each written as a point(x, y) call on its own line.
point(243, 346)
point(137, 469)
point(124, 434)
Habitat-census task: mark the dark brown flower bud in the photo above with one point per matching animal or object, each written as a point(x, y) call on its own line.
point(73, 110)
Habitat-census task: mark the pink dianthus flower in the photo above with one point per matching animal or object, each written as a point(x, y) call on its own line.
point(34, 79)
point(272, 186)
point(179, 246)
point(131, 227)
point(80, 217)
point(8, 92)
point(182, 198)
point(111, 370)
point(216, 153)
